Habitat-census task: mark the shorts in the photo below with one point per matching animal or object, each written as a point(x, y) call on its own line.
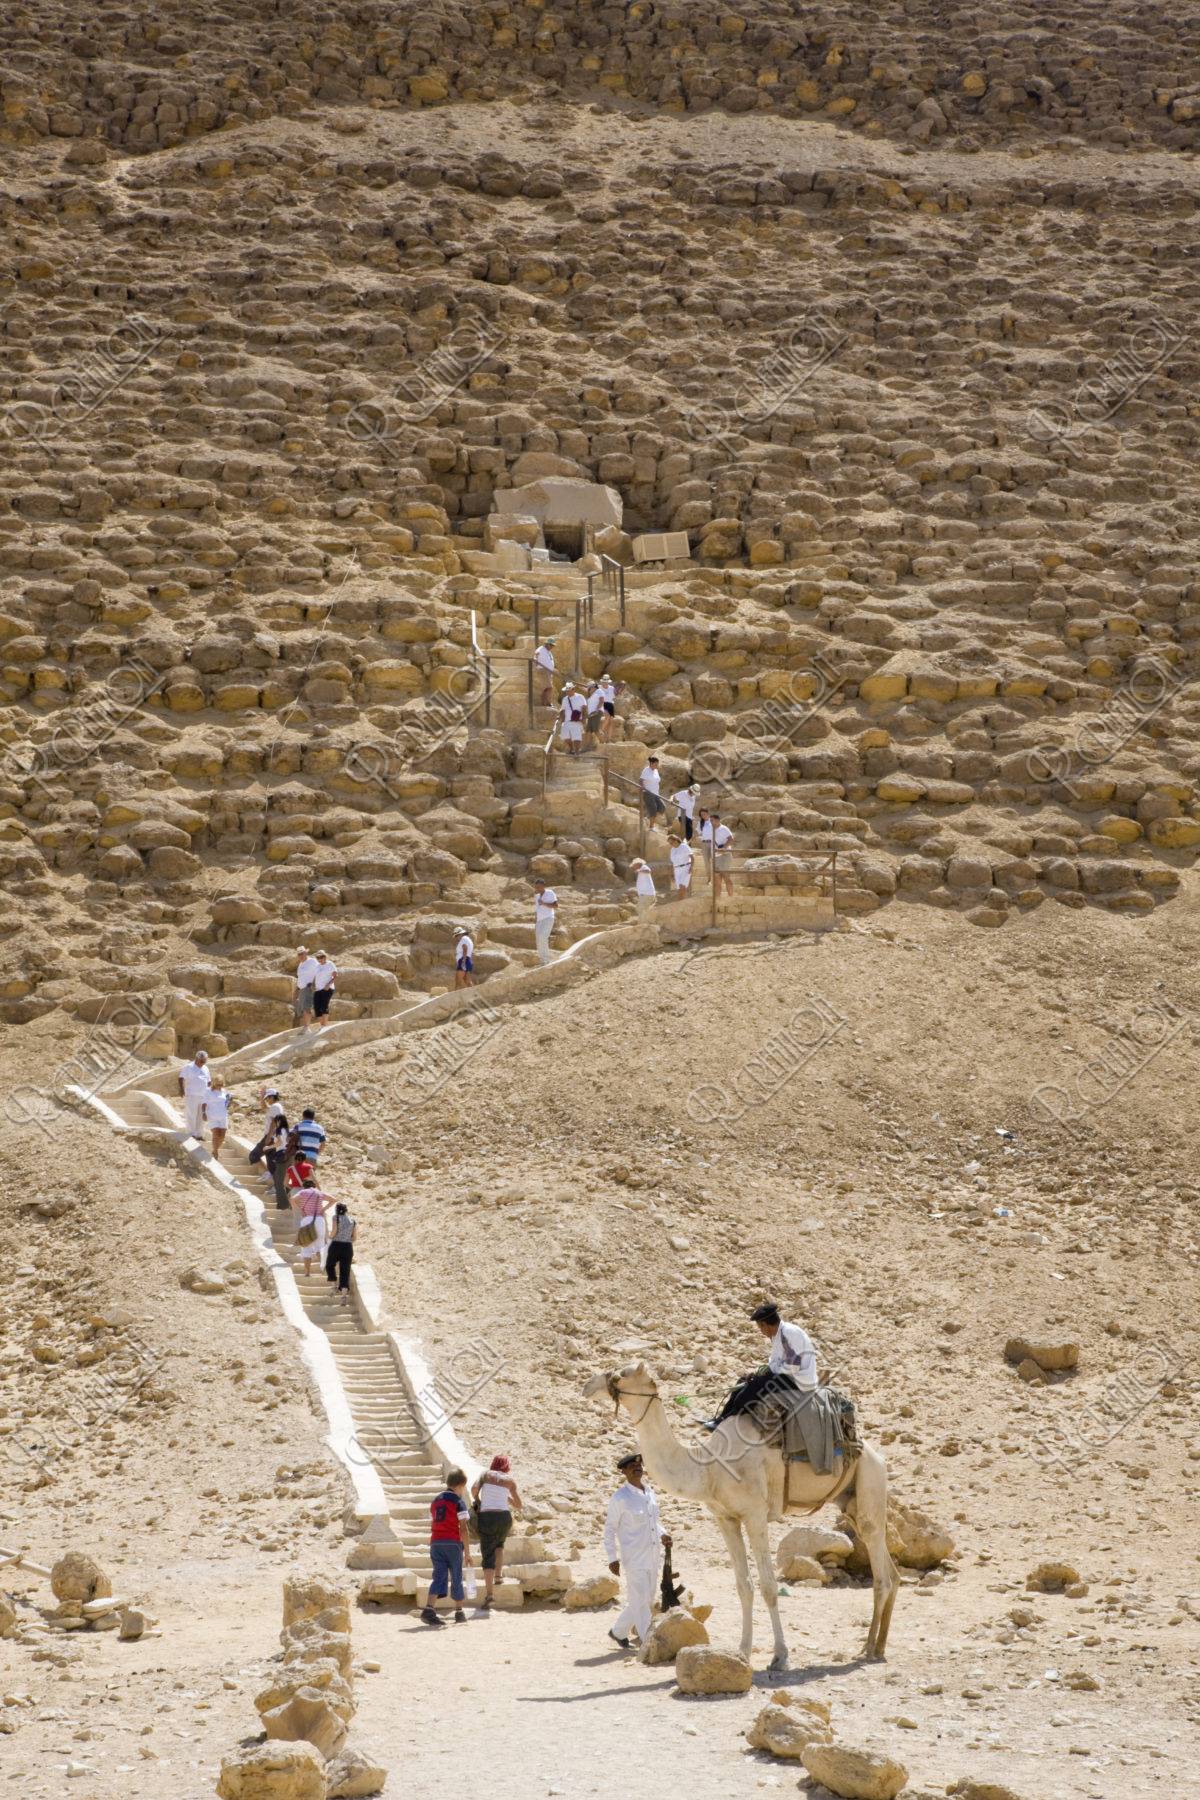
point(321, 999)
point(494, 1527)
point(724, 862)
point(653, 804)
point(304, 1000)
point(687, 826)
point(610, 709)
point(466, 966)
point(683, 876)
point(572, 732)
point(593, 721)
point(447, 1560)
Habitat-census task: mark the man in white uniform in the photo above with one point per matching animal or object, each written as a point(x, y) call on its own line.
point(633, 1536)
point(544, 908)
point(792, 1358)
point(543, 662)
point(194, 1083)
point(685, 802)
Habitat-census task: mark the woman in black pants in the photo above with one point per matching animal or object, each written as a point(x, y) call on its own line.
point(340, 1253)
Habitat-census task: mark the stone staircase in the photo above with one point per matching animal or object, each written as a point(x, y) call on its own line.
point(388, 1433)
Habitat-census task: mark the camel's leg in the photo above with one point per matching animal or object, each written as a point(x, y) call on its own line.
point(757, 1533)
point(870, 1513)
point(731, 1531)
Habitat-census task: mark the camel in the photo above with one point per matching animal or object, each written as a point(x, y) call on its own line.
point(740, 1478)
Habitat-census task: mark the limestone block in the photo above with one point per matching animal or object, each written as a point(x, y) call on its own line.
point(273, 1771)
point(884, 686)
point(783, 1730)
point(811, 1542)
point(855, 1774)
point(315, 1597)
point(669, 1634)
point(699, 1669)
point(584, 1596)
point(354, 1773)
point(76, 1578)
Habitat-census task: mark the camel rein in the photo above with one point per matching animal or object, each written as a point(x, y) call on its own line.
point(648, 1398)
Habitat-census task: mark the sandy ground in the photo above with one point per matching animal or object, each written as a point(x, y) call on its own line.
point(555, 1203)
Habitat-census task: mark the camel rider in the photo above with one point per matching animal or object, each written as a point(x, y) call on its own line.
point(633, 1535)
point(792, 1358)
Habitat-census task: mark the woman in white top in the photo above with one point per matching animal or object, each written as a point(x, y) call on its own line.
point(608, 706)
point(644, 888)
point(216, 1113)
point(685, 802)
point(496, 1499)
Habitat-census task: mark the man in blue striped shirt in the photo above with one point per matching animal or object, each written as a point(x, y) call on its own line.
point(310, 1138)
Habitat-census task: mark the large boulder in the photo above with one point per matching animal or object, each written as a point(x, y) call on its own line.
point(699, 1669)
point(669, 1635)
point(855, 1774)
point(355, 1773)
point(75, 1578)
point(273, 1772)
point(913, 1538)
point(810, 1543)
point(783, 1729)
point(583, 1596)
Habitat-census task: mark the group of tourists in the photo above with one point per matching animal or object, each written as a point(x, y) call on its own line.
point(496, 1498)
point(583, 711)
point(315, 980)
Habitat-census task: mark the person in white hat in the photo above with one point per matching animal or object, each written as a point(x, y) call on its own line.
point(645, 886)
point(464, 957)
point(572, 710)
point(543, 662)
point(608, 690)
point(595, 714)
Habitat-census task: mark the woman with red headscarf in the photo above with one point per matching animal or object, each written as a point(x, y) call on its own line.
point(496, 1499)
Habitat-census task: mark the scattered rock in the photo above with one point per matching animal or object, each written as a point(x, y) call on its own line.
point(1051, 1578)
point(202, 1281)
point(353, 1774)
point(8, 1617)
point(914, 1540)
point(782, 1729)
point(133, 1624)
point(1050, 1358)
point(582, 1596)
point(702, 1670)
point(75, 1578)
point(855, 1774)
point(669, 1634)
point(966, 1789)
point(273, 1772)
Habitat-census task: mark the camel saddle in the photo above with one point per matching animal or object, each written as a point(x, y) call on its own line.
point(812, 1425)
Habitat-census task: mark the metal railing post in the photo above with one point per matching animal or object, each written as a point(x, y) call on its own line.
point(604, 773)
point(621, 585)
point(537, 620)
point(487, 697)
point(833, 868)
point(577, 634)
point(529, 688)
point(713, 895)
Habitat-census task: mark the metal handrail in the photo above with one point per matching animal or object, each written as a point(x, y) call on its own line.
point(478, 655)
point(548, 757)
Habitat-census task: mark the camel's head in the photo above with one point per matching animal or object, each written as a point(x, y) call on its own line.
point(632, 1384)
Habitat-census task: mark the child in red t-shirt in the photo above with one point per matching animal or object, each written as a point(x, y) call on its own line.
point(449, 1547)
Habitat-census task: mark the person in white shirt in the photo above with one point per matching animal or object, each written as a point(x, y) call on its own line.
point(608, 703)
point(543, 662)
point(216, 1115)
point(644, 888)
point(685, 802)
point(324, 982)
point(545, 906)
point(306, 987)
point(792, 1358)
point(464, 958)
point(681, 864)
point(572, 710)
point(651, 781)
point(634, 1537)
point(722, 842)
point(704, 833)
point(595, 713)
point(194, 1083)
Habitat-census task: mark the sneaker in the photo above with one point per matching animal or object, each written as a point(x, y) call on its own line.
point(460, 1617)
point(430, 1617)
point(624, 1642)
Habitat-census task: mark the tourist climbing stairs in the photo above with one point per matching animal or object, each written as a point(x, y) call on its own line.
point(388, 1432)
